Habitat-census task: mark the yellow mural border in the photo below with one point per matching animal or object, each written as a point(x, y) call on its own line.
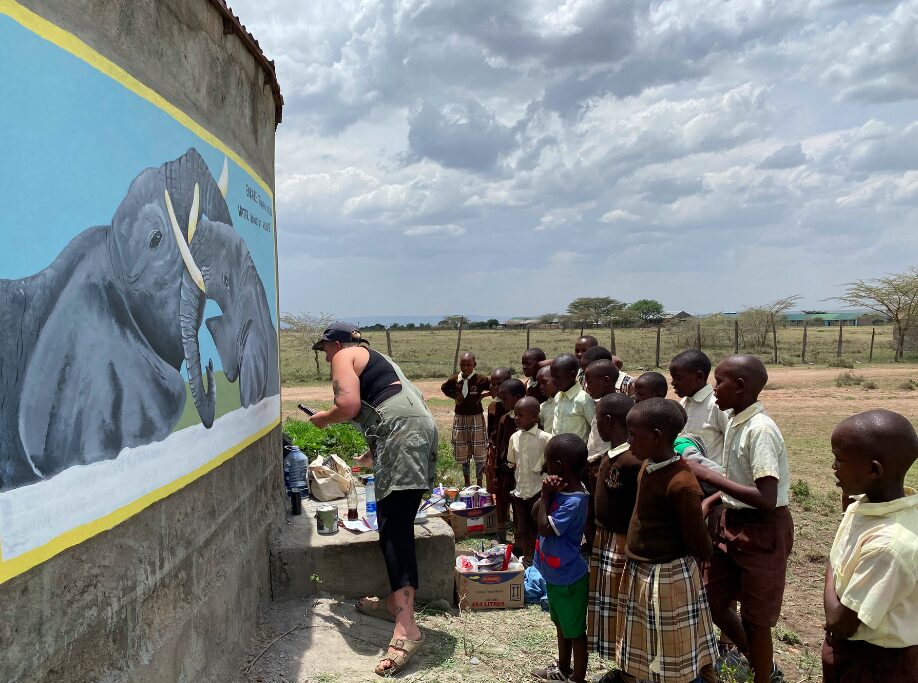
point(70, 43)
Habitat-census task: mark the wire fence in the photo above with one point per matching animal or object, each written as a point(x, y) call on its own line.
point(432, 353)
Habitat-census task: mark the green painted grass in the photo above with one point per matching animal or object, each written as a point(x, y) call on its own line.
point(227, 401)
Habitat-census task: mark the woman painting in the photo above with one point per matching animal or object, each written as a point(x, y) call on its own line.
point(372, 392)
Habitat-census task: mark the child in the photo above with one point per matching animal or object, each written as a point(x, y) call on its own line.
point(526, 457)
point(871, 590)
point(756, 532)
point(592, 354)
point(613, 505)
point(664, 629)
point(650, 385)
point(625, 383)
point(531, 361)
point(689, 372)
point(573, 407)
point(548, 389)
point(470, 438)
point(561, 511)
point(600, 376)
point(510, 392)
point(581, 346)
point(496, 410)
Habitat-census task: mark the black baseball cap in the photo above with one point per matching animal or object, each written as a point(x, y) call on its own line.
point(340, 332)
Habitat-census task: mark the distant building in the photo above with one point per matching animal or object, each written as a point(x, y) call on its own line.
point(855, 318)
point(674, 318)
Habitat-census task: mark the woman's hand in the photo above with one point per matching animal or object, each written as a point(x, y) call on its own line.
point(364, 460)
point(320, 419)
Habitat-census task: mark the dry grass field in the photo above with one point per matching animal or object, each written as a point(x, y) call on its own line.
point(806, 401)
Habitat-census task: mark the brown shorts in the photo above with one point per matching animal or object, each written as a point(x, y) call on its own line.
point(856, 661)
point(749, 564)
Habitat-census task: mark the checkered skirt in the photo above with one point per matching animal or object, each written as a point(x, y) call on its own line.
point(664, 631)
point(607, 564)
point(470, 438)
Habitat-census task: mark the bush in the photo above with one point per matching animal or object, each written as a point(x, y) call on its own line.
point(910, 385)
point(840, 363)
point(848, 379)
point(870, 385)
point(341, 439)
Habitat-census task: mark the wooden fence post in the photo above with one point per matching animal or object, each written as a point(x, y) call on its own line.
point(527, 338)
point(458, 344)
point(803, 350)
point(736, 336)
point(388, 342)
point(774, 338)
point(838, 351)
point(873, 334)
point(612, 338)
point(698, 337)
point(658, 345)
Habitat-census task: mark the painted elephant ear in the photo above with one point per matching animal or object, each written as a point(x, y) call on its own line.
point(181, 176)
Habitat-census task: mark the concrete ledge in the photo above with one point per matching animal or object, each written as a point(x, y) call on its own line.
point(351, 564)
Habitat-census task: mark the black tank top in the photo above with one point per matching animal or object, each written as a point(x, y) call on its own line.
point(376, 378)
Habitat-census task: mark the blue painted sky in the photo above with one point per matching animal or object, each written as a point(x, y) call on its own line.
point(72, 141)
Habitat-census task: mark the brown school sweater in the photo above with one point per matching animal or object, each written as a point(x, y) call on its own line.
point(667, 522)
point(615, 494)
point(471, 404)
point(496, 411)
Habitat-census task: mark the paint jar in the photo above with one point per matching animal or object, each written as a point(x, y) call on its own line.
point(467, 498)
point(327, 519)
point(483, 498)
point(452, 495)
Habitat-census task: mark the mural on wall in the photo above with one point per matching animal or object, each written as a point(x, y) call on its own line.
point(106, 401)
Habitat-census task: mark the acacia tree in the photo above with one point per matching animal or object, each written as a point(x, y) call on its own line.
point(594, 310)
point(895, 296)
point(756, 321)
point(305, 328)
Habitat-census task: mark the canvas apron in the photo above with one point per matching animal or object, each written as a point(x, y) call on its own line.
point(402, 436)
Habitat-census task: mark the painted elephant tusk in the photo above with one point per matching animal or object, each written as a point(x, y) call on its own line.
point(193, 269)
point(223, 183)
point(193, 214)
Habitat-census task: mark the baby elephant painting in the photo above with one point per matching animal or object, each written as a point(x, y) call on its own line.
point(92, 346)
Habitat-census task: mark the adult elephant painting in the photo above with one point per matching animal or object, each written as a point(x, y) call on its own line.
point(92, 346)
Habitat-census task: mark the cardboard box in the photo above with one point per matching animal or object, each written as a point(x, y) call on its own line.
point(489, 590)
point(474, 526)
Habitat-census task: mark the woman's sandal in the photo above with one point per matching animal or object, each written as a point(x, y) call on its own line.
point(398, 660)
point(374, 607)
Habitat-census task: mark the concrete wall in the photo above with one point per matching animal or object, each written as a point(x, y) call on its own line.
point(172, 593)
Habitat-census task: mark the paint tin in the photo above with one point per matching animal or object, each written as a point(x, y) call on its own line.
point(468, 498)
point(327, 519)
point(483, 498)
point(452, 495)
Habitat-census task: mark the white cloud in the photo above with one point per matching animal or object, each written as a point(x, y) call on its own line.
point(599, 136)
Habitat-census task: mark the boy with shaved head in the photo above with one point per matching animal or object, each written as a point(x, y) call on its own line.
point(574, 409)
point(581, 346)
point(549, 390)
point(470, 437)
point(650, 385)
point(531, 361)
point(871, 589)
point(756, 532)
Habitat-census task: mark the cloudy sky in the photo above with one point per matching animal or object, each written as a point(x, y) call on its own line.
point(502, 157)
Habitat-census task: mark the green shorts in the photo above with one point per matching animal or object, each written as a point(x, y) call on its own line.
point(567, 606)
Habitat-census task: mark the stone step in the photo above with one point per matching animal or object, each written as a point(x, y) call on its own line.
point(305, 562)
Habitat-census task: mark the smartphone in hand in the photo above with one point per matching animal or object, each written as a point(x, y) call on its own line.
point(308, 411)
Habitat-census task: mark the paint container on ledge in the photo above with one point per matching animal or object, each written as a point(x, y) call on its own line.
point(327, 519)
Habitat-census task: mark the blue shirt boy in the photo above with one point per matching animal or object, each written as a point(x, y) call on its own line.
point(558, 557)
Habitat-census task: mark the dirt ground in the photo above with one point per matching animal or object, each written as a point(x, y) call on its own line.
point(806, 403)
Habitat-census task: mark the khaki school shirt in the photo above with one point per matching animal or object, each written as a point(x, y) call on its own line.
point(707, 421)
point(874, 561)
point(754, 448)
point(547, 415)
point(527, 453)
point(574, 411)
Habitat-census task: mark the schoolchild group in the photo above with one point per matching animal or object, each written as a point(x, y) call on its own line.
point(652, 520)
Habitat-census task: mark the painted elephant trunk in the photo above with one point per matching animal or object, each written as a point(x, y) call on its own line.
point(190, 316)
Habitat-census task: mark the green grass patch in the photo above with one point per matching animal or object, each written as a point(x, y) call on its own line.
point(344, 440)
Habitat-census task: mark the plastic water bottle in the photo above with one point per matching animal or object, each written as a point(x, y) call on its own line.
point(297, 470)
point(371, 499)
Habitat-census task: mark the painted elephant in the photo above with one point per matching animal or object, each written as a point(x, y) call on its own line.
point(91, 347)
point(244, 334)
